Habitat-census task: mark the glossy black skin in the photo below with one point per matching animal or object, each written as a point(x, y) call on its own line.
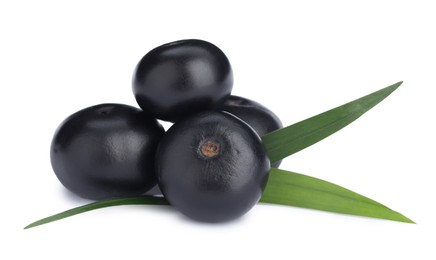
point(106, 151)
point(260, 118)
point(179, 78)
point(214, 189)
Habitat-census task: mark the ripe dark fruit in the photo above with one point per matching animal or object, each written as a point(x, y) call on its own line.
point(180, 78)
point(212, 166)
point(260, 118)
point(106, 151)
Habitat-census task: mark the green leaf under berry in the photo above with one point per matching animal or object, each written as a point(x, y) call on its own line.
point(283, 188)
point(289, 140)
point(293, 189)
point(143, 200)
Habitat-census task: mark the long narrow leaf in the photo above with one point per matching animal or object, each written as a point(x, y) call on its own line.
point(284, 188)
point(101, 204)
point(293, 189)
point(289, 140)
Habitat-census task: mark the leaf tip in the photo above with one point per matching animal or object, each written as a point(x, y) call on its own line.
point(31, 225)
point(398, 84)
point(27, 227)
point(394, 87)
point(400, 217)
point(408, 220)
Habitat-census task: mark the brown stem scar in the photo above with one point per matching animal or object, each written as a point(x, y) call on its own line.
point(210, 149)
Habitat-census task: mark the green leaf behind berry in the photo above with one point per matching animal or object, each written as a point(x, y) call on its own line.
point(289, 140)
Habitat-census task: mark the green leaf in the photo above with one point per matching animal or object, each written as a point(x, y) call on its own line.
point(284, 188)
point(289, 140)
point(101, 204)
point(293, 189)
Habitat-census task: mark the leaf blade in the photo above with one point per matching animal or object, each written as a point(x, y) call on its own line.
point(294, 138)
point(142, 200)
point(283, 188)
point(294, 189)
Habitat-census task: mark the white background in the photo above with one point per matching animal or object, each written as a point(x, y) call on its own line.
point(299, 59)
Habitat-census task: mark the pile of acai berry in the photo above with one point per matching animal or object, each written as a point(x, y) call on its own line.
point(210, 165)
